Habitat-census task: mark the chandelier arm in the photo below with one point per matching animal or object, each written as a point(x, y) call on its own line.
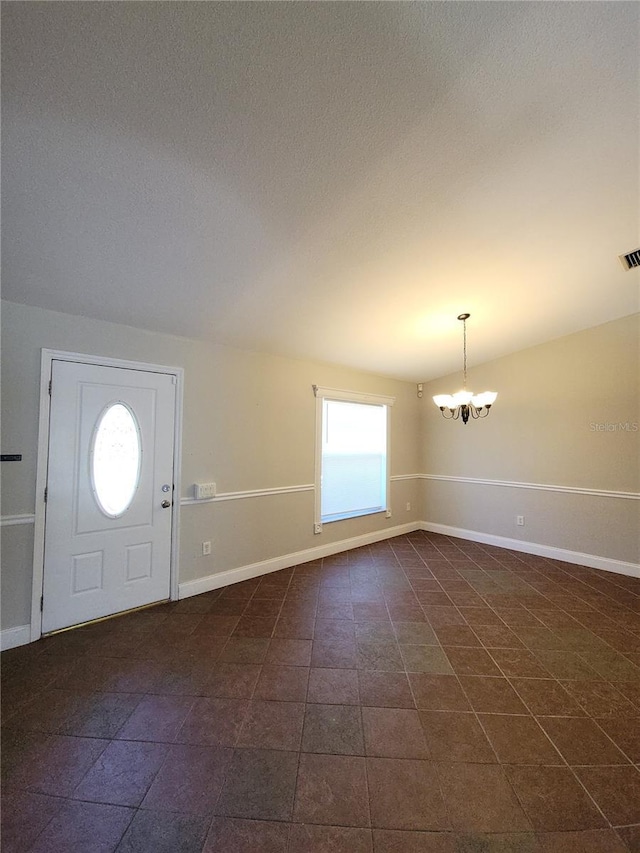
point(445, 416)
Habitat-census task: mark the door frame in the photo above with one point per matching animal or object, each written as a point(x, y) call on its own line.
point(48, 356)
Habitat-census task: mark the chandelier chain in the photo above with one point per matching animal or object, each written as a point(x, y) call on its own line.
point(464, 350)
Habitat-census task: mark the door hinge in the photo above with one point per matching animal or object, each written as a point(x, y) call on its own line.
point(41, 603)
point(46, 493)
point(50, 386)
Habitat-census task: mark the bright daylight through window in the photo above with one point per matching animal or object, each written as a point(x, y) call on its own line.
point(115, 460)
point(352, 453)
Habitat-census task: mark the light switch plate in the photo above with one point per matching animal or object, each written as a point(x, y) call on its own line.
point(205, 490)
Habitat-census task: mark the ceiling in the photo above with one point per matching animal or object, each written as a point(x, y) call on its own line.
point(328, 180)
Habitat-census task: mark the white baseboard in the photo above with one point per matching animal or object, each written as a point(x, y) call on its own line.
point(12, 637)
point(254, 570)
point(580, 559)
point(21, 635)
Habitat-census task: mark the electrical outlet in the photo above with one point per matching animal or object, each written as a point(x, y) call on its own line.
point(408, 506)
point(387, 514)
point(205, 490)
point(317, 528)
point(520, 520)
point(206, 549)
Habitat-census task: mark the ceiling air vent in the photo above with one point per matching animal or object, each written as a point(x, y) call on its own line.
point(630, 261)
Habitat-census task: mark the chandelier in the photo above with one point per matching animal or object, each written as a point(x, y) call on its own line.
point(465, 404)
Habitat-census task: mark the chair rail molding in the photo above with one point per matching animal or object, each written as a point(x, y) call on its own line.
point(12, 520)
point(249, 493)
point(545, 487)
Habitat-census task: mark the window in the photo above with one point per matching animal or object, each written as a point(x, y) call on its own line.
point(115, 459)
point(352, 459)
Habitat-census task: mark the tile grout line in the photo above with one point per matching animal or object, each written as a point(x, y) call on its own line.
point(613, 621)
point(560, 754)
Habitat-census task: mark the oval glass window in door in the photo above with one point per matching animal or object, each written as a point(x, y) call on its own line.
point(116, 453)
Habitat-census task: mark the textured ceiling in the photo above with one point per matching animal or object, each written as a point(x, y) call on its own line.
point(334, 181)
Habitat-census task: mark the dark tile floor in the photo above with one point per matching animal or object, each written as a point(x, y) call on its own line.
point(422, 695)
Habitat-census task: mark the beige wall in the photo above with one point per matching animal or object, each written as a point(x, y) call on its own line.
point(249, 423)
point(543, 430)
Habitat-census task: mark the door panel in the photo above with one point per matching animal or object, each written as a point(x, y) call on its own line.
point(100, 560)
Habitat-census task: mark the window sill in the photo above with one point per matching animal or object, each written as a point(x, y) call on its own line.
point(356, 514)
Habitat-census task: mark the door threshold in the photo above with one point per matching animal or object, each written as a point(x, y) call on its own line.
point(106, 618)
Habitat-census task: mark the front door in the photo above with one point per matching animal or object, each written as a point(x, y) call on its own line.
point(109, 492)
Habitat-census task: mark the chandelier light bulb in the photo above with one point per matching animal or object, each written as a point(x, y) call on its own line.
point(444, 401)
point(462, 398)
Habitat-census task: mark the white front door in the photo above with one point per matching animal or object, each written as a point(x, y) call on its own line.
point(109, 492)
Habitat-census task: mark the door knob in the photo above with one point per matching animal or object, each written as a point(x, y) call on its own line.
point(165, 504)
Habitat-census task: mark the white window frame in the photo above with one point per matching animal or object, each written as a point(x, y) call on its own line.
point(336, 394)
